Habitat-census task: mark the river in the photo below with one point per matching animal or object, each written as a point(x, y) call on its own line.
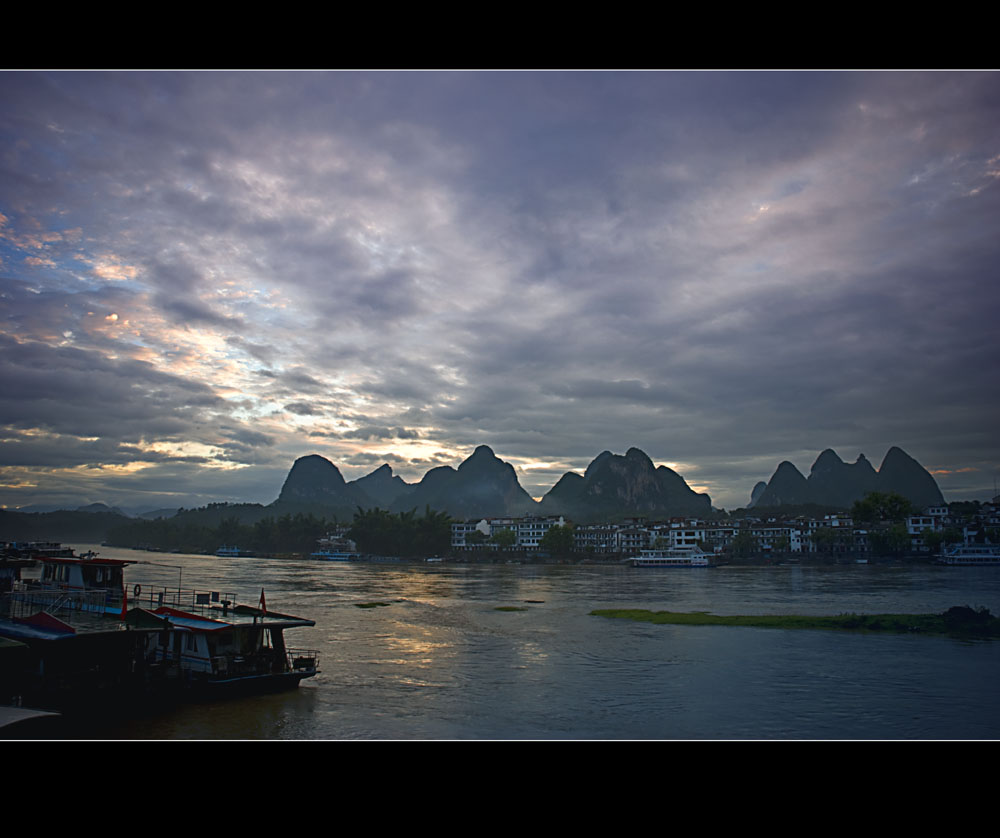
point(440, 661)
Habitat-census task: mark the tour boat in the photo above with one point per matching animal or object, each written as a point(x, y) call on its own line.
point(971, 555)
point(673, 557)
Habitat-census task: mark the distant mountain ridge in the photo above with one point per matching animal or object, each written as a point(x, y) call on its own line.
point(832, 482)
point(613, 487)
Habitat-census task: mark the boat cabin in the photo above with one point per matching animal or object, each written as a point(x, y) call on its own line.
point(241, 647)
point(87, 572)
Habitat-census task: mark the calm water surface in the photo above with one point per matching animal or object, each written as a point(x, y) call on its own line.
point(440, 662)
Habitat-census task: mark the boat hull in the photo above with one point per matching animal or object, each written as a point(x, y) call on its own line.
point(251, 684)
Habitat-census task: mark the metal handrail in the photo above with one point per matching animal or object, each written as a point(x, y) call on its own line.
point(155, 596)
point(23, 602)
point(295, 655)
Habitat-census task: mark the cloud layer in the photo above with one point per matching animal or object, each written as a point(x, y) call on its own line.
point(206, 275)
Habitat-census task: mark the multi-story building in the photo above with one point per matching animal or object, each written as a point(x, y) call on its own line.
point(461, 530)
point(595, 538)
point(528, 532)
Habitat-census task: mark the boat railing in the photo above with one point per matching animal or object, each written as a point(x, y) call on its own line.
point(194, 601)
point(265, 661)
point(28, 595)
point(67, 605)
point(300, 660)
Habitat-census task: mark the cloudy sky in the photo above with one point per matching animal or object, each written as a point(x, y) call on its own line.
point(206, 275)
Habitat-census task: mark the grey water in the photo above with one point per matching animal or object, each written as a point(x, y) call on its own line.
point(438, 660)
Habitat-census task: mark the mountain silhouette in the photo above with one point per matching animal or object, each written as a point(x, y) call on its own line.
point(615, 487)
point(834, 483)
point(482, 486)
point(382, 486)
point(314, 484)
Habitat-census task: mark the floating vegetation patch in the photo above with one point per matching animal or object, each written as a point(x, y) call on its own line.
point(509, 608)
point(370, 604)
point(960, 620)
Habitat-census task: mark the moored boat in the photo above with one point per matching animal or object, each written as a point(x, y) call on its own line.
point(90, 645)
point(102, 581)
point(220, 648)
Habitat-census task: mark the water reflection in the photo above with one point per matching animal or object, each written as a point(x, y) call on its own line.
point(439, 661)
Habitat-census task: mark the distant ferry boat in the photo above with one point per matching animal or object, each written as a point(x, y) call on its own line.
point(336, 556)
point(971, 555)
point(234, 553)
point(675, 557)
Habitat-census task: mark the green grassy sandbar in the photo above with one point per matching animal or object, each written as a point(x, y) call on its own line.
point(960, 620)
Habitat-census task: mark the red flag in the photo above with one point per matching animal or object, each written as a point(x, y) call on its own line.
point(263, 603)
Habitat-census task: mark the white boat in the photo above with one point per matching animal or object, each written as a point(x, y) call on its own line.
point(234, 552)
point(673, 557)
point(971, 555)
point(335, 556)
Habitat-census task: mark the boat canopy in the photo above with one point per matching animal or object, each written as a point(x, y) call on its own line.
point(241, 616)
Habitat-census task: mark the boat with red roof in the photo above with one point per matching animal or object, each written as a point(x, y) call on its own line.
point(91, 639)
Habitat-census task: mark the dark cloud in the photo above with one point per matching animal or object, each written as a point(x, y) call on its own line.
point(724, 269)
point(372, 432)
point(244, 436)
point(194, 313)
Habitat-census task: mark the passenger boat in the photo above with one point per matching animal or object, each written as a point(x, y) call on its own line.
point(672, 557)
point(970, 555)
